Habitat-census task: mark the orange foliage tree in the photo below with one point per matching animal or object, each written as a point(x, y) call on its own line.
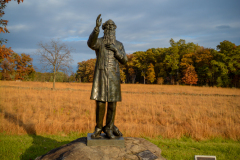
point(24, 67)
point(5, 52)
point(190, 76)
point(6, 62)
point(14, 66)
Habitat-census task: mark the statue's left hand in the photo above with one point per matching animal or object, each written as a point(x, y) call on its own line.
point(111, 47)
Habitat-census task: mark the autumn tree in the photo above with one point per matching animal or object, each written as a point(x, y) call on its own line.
point(6, 63)
point(131, 69)
point(24, 67)
point(55, 56)
point(229, 57)
point(3, 23)
point(122, 68)
point(85, 70)
point(81, 71)
point(142, 60)
point(5, 52)
point(160, 66)
point(90, 66)
point(172, 61)
point(190, 76)
point(219, 69)
point(151, 73)
point(235, 67)
point(180, 62)
point(203, 65)
point(14, 66)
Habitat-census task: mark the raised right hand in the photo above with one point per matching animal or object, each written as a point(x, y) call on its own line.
point(98, 22)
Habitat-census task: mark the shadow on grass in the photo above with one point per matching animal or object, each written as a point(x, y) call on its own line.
point(40, 145)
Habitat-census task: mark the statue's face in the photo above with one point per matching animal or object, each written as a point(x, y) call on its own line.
point(109, 26)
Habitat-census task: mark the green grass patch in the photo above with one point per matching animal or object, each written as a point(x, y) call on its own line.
point(186, 148)
point(28, 147)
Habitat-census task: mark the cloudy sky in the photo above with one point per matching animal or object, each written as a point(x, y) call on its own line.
point(141, 24)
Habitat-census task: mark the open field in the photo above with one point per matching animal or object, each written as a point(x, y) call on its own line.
point(145, 110)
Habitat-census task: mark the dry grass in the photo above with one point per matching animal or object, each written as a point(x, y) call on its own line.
point(34, 109)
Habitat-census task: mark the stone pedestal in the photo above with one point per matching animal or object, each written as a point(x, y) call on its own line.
point(104, 141)
point(135, 149)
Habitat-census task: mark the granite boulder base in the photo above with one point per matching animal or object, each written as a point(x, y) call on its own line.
point(135, 149)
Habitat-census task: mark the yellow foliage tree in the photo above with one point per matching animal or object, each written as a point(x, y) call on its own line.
point(151, 73)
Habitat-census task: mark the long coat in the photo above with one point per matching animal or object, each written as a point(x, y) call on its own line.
point(106, 81)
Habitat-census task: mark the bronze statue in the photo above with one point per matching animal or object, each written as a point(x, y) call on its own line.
point(106, 82)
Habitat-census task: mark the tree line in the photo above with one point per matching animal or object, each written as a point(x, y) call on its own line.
point(181, 63)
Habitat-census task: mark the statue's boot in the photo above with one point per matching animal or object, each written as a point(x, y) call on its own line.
point(116, 131)
point(100, 111)
point(97, 133)
point(108, 129)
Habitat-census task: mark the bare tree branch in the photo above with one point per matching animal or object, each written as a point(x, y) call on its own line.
point(55, 56)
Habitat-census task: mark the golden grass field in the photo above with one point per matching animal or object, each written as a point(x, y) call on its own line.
point(32, 107)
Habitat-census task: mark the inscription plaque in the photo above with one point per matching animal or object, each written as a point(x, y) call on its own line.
point(203, 157)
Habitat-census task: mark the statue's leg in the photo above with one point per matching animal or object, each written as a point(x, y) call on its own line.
point(100, 111)
point(108, 129)
point(116, 131)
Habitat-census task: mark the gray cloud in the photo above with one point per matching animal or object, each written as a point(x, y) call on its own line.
point(141, 24)
point(223, 27)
